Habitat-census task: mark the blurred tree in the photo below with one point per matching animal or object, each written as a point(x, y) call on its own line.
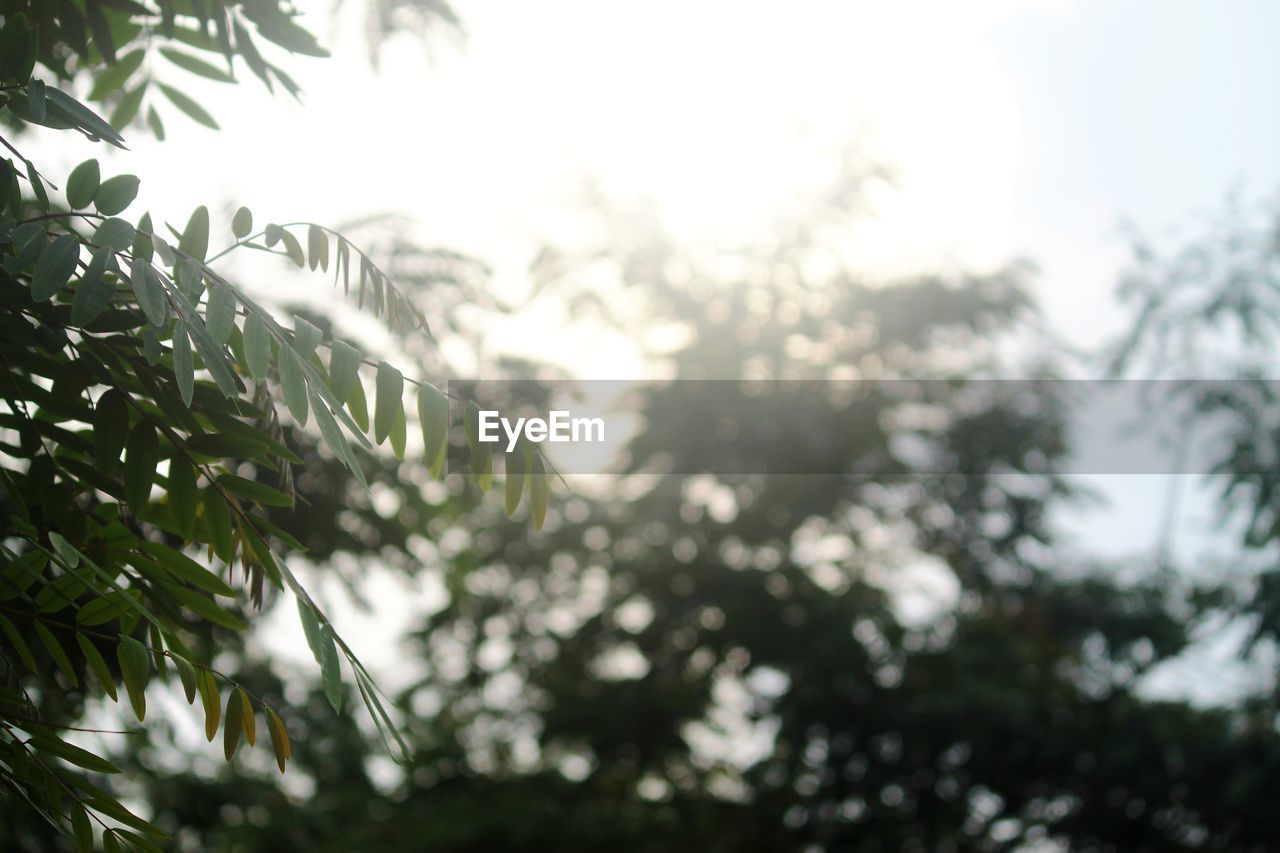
point(729, 663)
point(762, 608)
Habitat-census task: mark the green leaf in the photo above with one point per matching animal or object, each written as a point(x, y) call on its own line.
point(37, 187)
point(157, 650)
point(114, 233)
point(181, 567)
point(60, 593)
point(64, 549)
point(242, 223)
point(226, 424)
point(143, 247)
point(108, 606)
point(330, 670)
point(217, 516)
point(306, 337)
point(55, 745)
point(98, 664)
point(104, 804)
point(21, 573)
point(93, 292)
point(344, 365)
point(189, 106)
point(111, 78)
point(36, 99)
point(195, 65)
point(10, 191)
point(257, 346)
point(320, 386)
point(53, 270)
point(484, 473)
point(514, 486)
point(29, 241)
point(141, 453)
point(200, 39)
point(103, 38)
point(398, 435)
point(183, 365)
point(213, 354)
point(155, 123)
point(52, 790)
point(189, 276)
point(82, 185)
point(234, 725)
point(320, 639)
point(148, 291)
point(62, 105)
point(135, 670)
point(358, 406)
point(210, 698)
point(293, 248)
point(223, 446)
point(195, 238)
point(433, 417)
point(127, 110)
point(18, 38)
point(164, 250)
point(56, 652)
point(244, 43)
point(187, 675)
point(110, 428)
point(182, 495)
point(220, 314)
point(481, 452)
point(116, 194)
point(281, 30)
point(263, 553)
point(333, 436)
point(254, 491)
point(539, 491)
point(317, 248)
point(81, 829)
point(310, 627)
point(141, 843)
point(151, 347)
point(342, 264)
point(389, 404)
point(18, 642)
point(293, 380)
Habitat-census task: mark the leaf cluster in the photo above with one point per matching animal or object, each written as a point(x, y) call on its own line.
point(141, 440)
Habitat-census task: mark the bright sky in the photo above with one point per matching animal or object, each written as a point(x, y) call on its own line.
point(1013, 128)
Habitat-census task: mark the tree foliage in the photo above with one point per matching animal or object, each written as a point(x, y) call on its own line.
point(141, 446)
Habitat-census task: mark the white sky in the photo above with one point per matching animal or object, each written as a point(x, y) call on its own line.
point(1013, 128)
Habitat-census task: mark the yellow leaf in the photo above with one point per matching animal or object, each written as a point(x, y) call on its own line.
point(279, 739)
